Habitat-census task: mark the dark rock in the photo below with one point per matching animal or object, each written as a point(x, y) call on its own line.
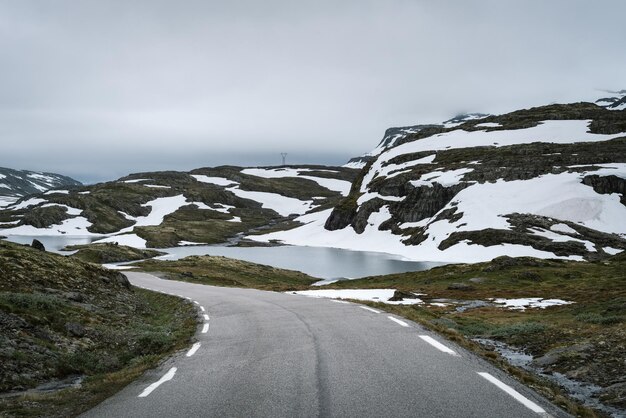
point(38, 245)
point(122, 280)
point(75, 329)
point(607, 185)
point(401, 295)
point(186, 274)
point(460, 286)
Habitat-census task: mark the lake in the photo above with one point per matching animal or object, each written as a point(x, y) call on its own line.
point(322, 262)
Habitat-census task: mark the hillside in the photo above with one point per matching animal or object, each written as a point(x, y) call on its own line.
point(542, 182)
point(73, 333)
point(18, 183)
point(160, 209)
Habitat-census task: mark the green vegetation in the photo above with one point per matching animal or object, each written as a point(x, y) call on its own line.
point(62, 319)
point(110, 253)
point(222, 271)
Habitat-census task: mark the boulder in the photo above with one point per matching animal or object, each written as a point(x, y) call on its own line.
point(38, 245)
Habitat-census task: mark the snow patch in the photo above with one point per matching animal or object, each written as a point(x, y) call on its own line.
point(373, 295)
point(522, 304)
point(219, 181)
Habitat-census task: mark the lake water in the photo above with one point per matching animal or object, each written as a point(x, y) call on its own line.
point(325, 263)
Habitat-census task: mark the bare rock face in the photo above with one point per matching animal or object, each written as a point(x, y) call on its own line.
point(36, 244)
point(607, 185)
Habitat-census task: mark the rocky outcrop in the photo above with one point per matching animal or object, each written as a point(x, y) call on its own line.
point(607, 185)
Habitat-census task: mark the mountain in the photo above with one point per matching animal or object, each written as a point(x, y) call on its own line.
point(161, 209)
point(18, 183)
point(544, 182)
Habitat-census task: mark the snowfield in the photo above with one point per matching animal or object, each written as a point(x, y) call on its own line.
point(372, 295)
point(559, 196)
point(280, 204)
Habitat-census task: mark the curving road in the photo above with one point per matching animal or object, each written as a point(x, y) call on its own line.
point(266, 354)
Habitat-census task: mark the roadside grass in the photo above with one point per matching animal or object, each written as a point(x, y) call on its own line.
point(223, 271)
point(63, 320)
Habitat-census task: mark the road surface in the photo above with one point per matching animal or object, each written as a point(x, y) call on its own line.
point(267, 354)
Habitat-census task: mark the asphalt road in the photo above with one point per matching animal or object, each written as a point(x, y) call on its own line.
point(267, 354)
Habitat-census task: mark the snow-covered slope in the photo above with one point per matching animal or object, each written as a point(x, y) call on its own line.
point(208, 205)
point(543, 182)
point(18, 183)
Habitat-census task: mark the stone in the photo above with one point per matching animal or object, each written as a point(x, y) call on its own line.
point(38, 245)
point(75, 329)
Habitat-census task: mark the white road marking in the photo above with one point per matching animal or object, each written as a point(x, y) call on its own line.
point(202, 308)
point(196, 302)
point(369, 309)
point(167, 376)
point(515, 394)
point(187, 297)
point(193, 349)
point(206, 317)
point(205, 328)
point(338, 301)
point(437, 345)
point(397, 321)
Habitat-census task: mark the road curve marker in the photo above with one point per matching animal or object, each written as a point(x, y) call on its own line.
point(513, 393)
point(397, 321)
point(166, 377)
point(369, 309)
point(193, 349)
point(438, 345)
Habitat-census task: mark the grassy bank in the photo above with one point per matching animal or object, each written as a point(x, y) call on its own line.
point(63, 320)
point(222, 271)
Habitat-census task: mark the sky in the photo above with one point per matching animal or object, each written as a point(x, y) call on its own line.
point(98, 89)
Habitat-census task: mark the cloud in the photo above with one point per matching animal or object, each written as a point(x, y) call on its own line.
point(109, 83)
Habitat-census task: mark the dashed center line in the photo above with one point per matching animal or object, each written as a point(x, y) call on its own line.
point(206, 317)
point(437, 345)
point(397, 321)
point(369, 309)
point(515, 394)
point(205, 328)
point(193, 349)
point(202, 308)
point(167, 376)
point(196, 302)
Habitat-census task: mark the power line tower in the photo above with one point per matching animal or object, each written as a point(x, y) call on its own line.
point(283, 156)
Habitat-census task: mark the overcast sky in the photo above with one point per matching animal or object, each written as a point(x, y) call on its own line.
point(98, 89)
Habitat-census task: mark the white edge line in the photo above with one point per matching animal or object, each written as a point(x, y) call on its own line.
point(196, 302)
point(397, 321)
point(205, 328)
point(338, 301)
point(202, 308)
point(193, 349)
point(167, 376)
point(515, 394)
point(437, 345)
point(369, 309)
point(206, 317)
